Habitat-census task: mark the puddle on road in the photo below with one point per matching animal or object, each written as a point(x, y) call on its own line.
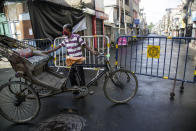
point(62, 122)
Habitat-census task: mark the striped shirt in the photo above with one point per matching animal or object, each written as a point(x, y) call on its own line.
point(73, 45)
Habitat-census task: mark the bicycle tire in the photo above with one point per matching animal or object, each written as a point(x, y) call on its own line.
point(17, 110)
point(110, 86)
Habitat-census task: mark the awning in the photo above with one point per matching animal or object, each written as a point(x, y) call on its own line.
point(80, 26)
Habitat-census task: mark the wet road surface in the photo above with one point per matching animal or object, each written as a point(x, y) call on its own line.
point(150, 110)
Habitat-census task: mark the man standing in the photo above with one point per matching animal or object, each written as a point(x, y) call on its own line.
point(73, 44)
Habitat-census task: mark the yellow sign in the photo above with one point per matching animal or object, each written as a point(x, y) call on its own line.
point(153, 51)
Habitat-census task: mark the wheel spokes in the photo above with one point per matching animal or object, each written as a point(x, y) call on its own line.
point(15, 104)
point(121, 86)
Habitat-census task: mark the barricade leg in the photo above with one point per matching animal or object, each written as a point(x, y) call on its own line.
point(172, 93)
point(182, 88)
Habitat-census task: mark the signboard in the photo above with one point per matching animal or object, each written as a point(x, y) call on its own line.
point(101, 15)
point(137, 21)
point(153, 51)
point(194, 16)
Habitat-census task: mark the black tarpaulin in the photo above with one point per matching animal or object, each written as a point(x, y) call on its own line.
point(48, 18)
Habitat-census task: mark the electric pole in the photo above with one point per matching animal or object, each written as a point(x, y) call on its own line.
point(125, 23)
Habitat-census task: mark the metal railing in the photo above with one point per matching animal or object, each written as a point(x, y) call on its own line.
point(42, 44)
point(98, 42)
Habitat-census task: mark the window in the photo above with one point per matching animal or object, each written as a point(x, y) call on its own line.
point(127, 2)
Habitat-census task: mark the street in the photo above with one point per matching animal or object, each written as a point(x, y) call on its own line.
point(150, 42)
point(151, 109)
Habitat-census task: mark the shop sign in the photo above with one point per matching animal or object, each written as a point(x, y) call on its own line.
point(137, 21)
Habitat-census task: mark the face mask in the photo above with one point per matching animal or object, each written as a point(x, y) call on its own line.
point(65, 32)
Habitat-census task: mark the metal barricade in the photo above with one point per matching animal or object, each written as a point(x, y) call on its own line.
point(164, 57)
point(42, 44)
point(98, 42)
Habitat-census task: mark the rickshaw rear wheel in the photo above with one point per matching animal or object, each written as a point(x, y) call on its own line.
point(19, 103)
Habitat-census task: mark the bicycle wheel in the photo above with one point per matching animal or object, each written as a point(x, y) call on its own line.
point(19, 103)
point(120, 86)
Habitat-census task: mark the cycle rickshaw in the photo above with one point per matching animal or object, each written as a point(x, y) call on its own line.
point(34, 79)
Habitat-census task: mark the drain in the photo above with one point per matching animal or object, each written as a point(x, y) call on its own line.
point(62, 122)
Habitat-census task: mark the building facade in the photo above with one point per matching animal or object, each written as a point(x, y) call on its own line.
point(180, 21)
point(189, 9)
point(118, 18)
point(122, 17)
point(143, 23)
point(19, 22)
